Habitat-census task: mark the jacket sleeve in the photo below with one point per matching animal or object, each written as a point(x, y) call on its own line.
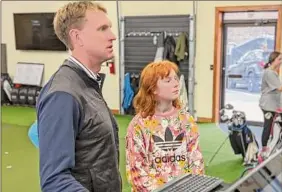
point(58, 123)
point(180, 47)
point(196, 161)
point(137, 163)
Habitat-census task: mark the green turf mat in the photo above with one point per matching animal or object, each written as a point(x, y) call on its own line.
point(23, 116)
point(19, 160)
point(23, 156)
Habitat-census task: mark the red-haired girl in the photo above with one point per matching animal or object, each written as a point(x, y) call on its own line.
point(162, 140)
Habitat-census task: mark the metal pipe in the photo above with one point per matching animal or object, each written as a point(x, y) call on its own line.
point(120, 21)
point(192, 55)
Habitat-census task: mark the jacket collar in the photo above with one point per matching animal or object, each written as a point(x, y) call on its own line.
point(87, 71)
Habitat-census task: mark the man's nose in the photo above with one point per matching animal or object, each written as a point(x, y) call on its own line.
point(112, 36)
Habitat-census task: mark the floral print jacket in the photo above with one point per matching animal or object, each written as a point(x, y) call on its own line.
point(161, 148)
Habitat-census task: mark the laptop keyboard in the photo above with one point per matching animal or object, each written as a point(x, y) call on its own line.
point(191, 183)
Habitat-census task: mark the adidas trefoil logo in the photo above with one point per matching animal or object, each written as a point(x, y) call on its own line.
point(168, 144)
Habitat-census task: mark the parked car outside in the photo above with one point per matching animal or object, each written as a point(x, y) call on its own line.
point(247, 71)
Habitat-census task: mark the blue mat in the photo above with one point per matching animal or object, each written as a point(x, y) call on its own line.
point(33, 134)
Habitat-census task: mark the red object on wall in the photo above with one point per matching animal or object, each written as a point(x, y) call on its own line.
point(17, 85)
point(112, 67)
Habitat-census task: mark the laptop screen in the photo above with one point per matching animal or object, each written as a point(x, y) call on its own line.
point(266, 177)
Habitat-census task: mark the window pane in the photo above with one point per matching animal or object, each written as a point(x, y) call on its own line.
point(249, 48)
point(259, 15)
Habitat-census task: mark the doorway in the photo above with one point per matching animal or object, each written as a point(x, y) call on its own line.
point(244, 37)
point(247, 44)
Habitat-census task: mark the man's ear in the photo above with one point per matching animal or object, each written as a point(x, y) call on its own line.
point(75, 36)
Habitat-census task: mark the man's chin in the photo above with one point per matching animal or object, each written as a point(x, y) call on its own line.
point(108, 58)
point(111, 56)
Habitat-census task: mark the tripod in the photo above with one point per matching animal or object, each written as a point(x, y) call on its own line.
point(216, 152)
point(221, 145)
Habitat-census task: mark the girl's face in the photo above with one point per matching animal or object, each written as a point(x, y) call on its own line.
point(278, 61)
point(168, 88)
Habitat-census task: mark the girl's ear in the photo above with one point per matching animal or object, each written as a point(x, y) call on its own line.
point(155, 92)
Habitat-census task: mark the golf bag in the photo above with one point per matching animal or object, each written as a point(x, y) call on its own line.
point(6, 88)
point(241, 138)
point(275, 139)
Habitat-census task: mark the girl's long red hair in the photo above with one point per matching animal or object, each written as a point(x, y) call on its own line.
point(144, 101)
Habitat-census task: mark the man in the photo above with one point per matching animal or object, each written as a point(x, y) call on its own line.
point(78, 135)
